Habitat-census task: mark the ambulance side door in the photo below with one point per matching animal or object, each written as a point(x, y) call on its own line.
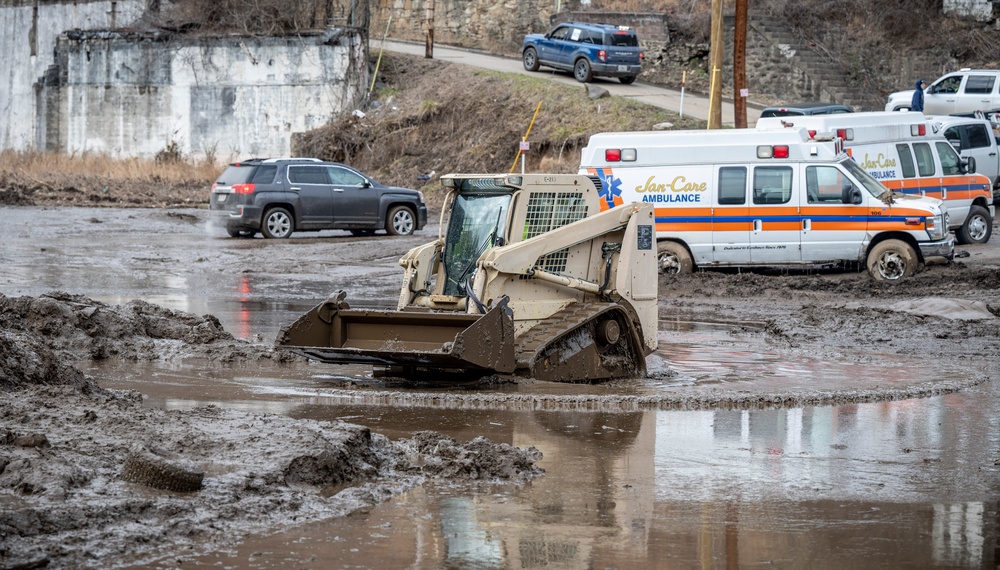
point(774, 215)
point(833, 227)
point(731, 216)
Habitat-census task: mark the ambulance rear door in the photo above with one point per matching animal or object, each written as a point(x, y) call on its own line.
point(731, 222)
point(833, 227)
point(774, 215)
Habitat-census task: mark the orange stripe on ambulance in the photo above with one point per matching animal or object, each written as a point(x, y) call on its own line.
point(750, 198)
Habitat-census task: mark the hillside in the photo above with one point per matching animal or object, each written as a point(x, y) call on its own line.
point(429, 115)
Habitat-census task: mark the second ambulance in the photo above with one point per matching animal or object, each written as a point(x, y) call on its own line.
point(907, 153)
point(753, 198)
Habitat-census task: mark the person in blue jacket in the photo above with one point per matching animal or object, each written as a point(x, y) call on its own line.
point(917, 103)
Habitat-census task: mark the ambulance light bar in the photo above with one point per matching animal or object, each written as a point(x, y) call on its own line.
point(619, 155)
point(776, 151)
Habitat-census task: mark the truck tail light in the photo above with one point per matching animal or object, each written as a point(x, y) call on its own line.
point(243, 188)
point(602, 55)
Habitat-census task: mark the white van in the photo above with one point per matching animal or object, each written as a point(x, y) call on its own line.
point(908, 153)
point(745, 198)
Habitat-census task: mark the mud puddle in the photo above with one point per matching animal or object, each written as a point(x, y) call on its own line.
point(804, 487)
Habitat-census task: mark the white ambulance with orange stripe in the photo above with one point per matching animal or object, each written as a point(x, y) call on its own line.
point(753, 198)
point(907, 153)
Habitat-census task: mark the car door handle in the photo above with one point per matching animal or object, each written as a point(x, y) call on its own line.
point(338, 189)
point(296, 188)
point(758, 225)
point(806, 224)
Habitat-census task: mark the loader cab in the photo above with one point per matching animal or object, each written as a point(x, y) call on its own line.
point(477, 222)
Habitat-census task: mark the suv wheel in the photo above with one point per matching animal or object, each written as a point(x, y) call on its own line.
point(240, 233)
point(277, 224)
point(400, 221)
point(530, 59)
point(627, 80)
point(581, 71)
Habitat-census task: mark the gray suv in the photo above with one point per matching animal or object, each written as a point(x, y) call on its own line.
point(278, 196)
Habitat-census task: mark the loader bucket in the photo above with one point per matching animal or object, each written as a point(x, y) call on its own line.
point(333, 333)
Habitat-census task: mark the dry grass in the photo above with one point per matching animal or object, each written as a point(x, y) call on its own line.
point(92, 179)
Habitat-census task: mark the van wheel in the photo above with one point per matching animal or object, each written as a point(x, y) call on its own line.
point(892, 260)
point(582, 71)
point(673, 258)
point(977, 227)
point(530, 59)
point(277, 224)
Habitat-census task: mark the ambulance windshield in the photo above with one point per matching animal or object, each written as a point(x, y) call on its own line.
point(874, 187)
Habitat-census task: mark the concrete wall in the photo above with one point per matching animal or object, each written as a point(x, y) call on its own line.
point(28, 34)
point(981, 10)
point(129, 94)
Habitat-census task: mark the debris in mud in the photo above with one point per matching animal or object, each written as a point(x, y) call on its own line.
point(90, 477)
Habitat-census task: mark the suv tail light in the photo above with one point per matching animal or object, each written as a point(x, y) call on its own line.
point(243, 188)
point(602, 55)
point(642, 56)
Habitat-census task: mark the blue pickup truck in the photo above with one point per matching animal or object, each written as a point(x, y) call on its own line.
point(586, 50)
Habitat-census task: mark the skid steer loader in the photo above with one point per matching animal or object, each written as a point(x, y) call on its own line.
point(527, 277)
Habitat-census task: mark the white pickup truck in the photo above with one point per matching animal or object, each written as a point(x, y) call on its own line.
point(979, 137)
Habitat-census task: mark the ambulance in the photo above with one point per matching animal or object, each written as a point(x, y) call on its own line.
point(908, 153)
point(754, 198)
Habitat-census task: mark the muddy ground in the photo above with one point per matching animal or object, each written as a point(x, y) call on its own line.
point(65, 439)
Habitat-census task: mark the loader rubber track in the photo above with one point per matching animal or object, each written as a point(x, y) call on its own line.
point(574, 325)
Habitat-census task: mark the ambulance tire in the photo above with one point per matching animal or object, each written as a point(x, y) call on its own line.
point(892, 260)
point(673, 258)
point(977, 228)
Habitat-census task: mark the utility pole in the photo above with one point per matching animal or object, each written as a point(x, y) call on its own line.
point(429, 46)
point(740, 91)
point(715, 63)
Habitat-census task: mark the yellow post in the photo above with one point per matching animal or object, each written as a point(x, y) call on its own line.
point(512, 166)
point(380, 50)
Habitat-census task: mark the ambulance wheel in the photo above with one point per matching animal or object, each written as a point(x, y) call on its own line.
point(977, 227)
point(892, 260)
point(673, 258)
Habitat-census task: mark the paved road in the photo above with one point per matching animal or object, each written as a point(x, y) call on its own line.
point(670, 99)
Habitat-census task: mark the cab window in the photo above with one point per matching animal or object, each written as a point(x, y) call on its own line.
point(950, 163)
point(560, 33)
point(906, 160)
point(979, 136)
point(307, 175)
point(732, 185)
point(344, 177)
point(772, 185)
point(265, 174)
point(947, 85)
point(980, 84)
point(827, 185)
point(925, 159)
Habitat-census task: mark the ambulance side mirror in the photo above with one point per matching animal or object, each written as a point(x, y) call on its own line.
point(968, 165)
point(855, 196)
